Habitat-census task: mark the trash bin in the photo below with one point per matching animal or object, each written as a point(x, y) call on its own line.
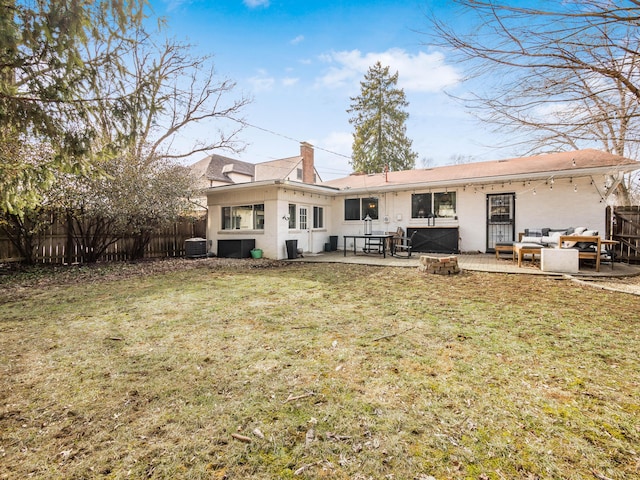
point(292, 248)
point(327, 247)
point(333, 240)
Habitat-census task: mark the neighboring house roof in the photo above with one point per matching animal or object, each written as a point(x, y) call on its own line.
point(216, 169)
point(219, 168)
point(277, 169)
point(562, 164)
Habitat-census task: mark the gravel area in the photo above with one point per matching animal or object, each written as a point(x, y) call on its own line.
point(619, 284)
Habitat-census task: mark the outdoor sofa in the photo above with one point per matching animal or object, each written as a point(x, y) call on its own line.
point(587, 242)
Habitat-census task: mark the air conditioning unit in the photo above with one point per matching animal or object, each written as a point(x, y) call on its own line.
point(195, 247)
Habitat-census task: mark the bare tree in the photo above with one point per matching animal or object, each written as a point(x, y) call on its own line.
point(557, 76)
point(164, 91)
point(170, 90)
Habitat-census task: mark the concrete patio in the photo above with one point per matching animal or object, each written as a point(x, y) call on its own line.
point(476, 262)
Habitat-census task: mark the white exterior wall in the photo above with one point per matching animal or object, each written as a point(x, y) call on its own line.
point(310, 239)
point(570, 203)
point(561, 206)
point(276, 200)
point(247, 197)
point(394, 210)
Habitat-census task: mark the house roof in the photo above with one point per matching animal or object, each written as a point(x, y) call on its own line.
point(276, 169)
point(578, 162)
point(217, 168)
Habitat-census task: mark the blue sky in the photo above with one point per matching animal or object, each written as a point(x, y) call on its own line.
point(302, 60)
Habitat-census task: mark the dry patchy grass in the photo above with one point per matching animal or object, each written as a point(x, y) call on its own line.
point(314, 371)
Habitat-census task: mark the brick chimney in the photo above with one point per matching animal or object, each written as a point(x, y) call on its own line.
point(308, 169)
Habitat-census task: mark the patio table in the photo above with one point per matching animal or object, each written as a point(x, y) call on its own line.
point(382, 237)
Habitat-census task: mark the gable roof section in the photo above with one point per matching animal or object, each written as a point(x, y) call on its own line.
point(276, 169)
point(578, 162)
point(219, 167)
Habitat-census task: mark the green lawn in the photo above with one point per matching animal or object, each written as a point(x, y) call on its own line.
point(318, 371)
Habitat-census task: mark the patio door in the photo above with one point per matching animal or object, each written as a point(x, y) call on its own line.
point(305, 240)
point(500, 219)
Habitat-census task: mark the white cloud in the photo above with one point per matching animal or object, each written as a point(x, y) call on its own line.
point(297, 40)
point(289, 81)
point(176, 4)
point(339, 142)
point(256, 3)
point(334, 154)
point(262, 82)
point(422, 72)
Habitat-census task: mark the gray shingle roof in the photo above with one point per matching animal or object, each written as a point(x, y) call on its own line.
point(218, 168)
point(565, 163)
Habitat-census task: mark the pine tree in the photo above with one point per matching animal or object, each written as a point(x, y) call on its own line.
point(379, 140)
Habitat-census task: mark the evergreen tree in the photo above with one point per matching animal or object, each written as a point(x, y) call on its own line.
point(379, 140)
point(45, 83)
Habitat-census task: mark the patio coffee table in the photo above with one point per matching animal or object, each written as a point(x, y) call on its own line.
point(522, 249)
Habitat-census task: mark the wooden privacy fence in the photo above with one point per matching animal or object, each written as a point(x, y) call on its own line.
point(623, 225)
point(56, 247)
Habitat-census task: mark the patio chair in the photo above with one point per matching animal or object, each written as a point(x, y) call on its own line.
point(404, 245)
point(397, 235)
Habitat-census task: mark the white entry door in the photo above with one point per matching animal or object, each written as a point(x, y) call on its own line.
point(305, 238)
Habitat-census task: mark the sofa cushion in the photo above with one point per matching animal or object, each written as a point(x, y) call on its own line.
point(536, 232)
point(553, 238)
point(587, 246)
point(532, 239)
point(568, 243)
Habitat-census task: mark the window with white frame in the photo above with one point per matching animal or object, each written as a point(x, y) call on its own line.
point(439, 204)
point(292, 216)
point(359, 208)
point(421, 205)
point(318, 217)
point(243, 217)
point(444, 204)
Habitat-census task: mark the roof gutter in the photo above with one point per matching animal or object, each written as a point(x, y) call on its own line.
point(403, 187)
point(307, 187)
